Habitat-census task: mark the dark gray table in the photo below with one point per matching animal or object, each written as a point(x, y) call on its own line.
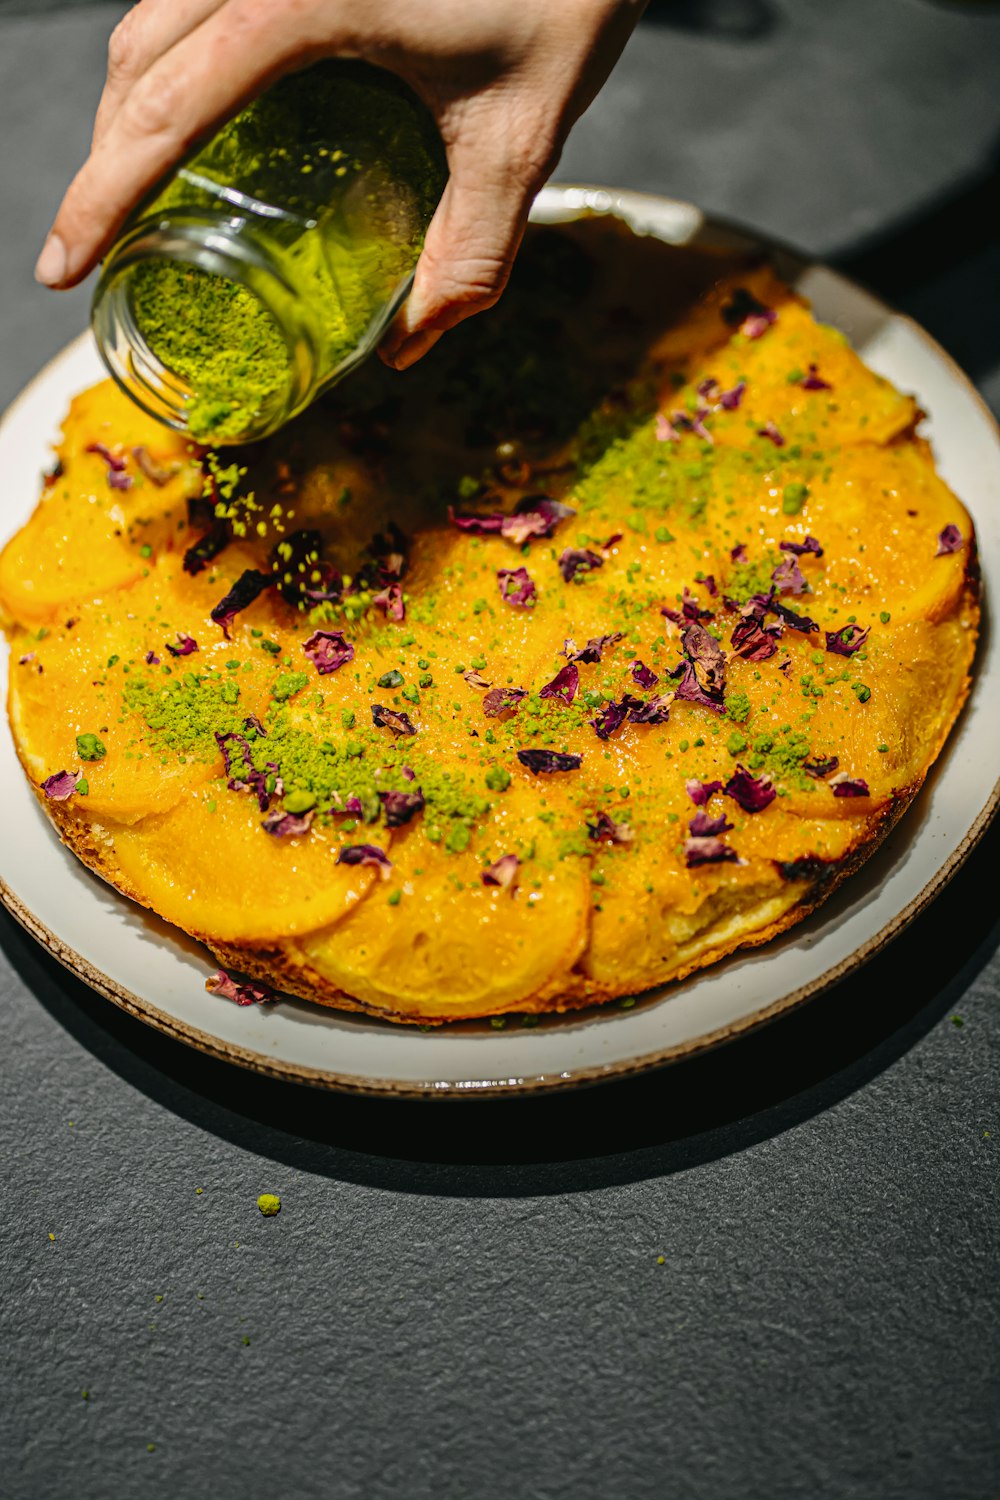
point(469, 1300)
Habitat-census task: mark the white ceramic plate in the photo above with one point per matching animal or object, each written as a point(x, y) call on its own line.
point(155, 972)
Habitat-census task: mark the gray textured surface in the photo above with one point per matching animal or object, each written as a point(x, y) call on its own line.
point(468, 1301)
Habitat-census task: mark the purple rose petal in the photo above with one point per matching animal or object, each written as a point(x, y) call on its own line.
point(388, 718)
point(501, 700)
point(849, 786)
point(846, 640)
point(543, 762)
point(288, 825)
point(475, 679)
point(807, 544)
point(700, 791)
point(607, 831)
point(117, 477)
point(400, 807)
point(788, 577)
point(516, 586)
point(60, 786)
point(644, 676)
point(328, 650)
point(772, 434)
point(708, 851)
point(244, 591)
point(820, 769)
point(390, 601)
point(739, 552)
point(157, 474)
point(366, 855)
point(574, 560)
point(595, 648)
point(753, 793)
point(502, 872)
point(612, 716)
point(653, 711)
point(949, 540)
point(186, 645)
point(564, 684)
point(813, 381)
point(247, 992)
point(704, 826)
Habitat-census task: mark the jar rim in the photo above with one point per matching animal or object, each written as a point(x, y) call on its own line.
point(221, 245)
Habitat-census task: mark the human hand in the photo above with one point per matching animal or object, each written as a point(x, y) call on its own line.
point(504, 79)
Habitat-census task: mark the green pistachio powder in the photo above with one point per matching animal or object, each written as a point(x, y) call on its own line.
point(298, 147)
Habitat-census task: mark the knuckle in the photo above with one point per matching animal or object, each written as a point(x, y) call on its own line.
point(122, 49)
point(153, 108)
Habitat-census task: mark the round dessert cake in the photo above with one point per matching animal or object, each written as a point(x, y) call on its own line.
point(607, 641)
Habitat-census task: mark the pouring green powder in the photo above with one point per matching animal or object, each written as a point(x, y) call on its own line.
point(218, 338)
point(318, 194)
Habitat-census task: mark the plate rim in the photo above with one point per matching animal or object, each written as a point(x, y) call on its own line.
point(259, 1062)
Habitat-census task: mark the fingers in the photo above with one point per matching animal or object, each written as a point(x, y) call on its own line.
point(149, 30)
point(202, 80)
point(471, 241)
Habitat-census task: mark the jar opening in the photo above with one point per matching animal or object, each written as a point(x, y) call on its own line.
point(202, 331)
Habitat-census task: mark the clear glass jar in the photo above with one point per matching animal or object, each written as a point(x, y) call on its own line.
point(269, 264)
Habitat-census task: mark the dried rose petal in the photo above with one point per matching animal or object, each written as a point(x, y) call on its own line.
point(846, 640)
point(743, 305)
point(820, 769)
point(564, 684)
point(60, 786)
point(613, 715)
point(788, 577)
point(152, 660)
point(751, 638)
point(328, 650)
point(949, 540)
point(388, 718)
point(186, 645)
point(475, 679)
point(664, 430)
point(252, 722)
point(200, 554)
point(690, 610)
point(708, 851)
point(400, 807)
point(247, 992)
point(288, 825)
point(607, 831)
point(771, 432)
point(704, 826)
point(545, 761)
point(366, 855)
point(644, 676)
point(390, 600)
point(117, 477)
point(791, 619)
point(478, 525)
point(753, 793)
point(653, 711)
point(594, 649)
point(807, 544)
point(706, 657)
point(739, 552)
point(574, 560)
point(501, 700)
point(244, 591)
point(700, 791)
point(516, 586)
point(158, 474)
point(812, 381)
point(849, 786)
point(502, 872)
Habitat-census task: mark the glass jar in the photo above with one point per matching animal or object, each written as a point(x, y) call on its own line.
point(269, 264)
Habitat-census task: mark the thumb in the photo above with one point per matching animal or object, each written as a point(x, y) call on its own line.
point(469, 249)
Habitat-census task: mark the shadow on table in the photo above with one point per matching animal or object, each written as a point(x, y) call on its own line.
point(694, 1111)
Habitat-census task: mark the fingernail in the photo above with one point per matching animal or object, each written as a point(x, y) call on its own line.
point(51, 267)
point(410, 349)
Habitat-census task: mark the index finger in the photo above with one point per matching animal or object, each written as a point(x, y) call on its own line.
point(198, 83)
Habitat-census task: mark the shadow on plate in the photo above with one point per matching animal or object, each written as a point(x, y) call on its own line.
point(678, 1117)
